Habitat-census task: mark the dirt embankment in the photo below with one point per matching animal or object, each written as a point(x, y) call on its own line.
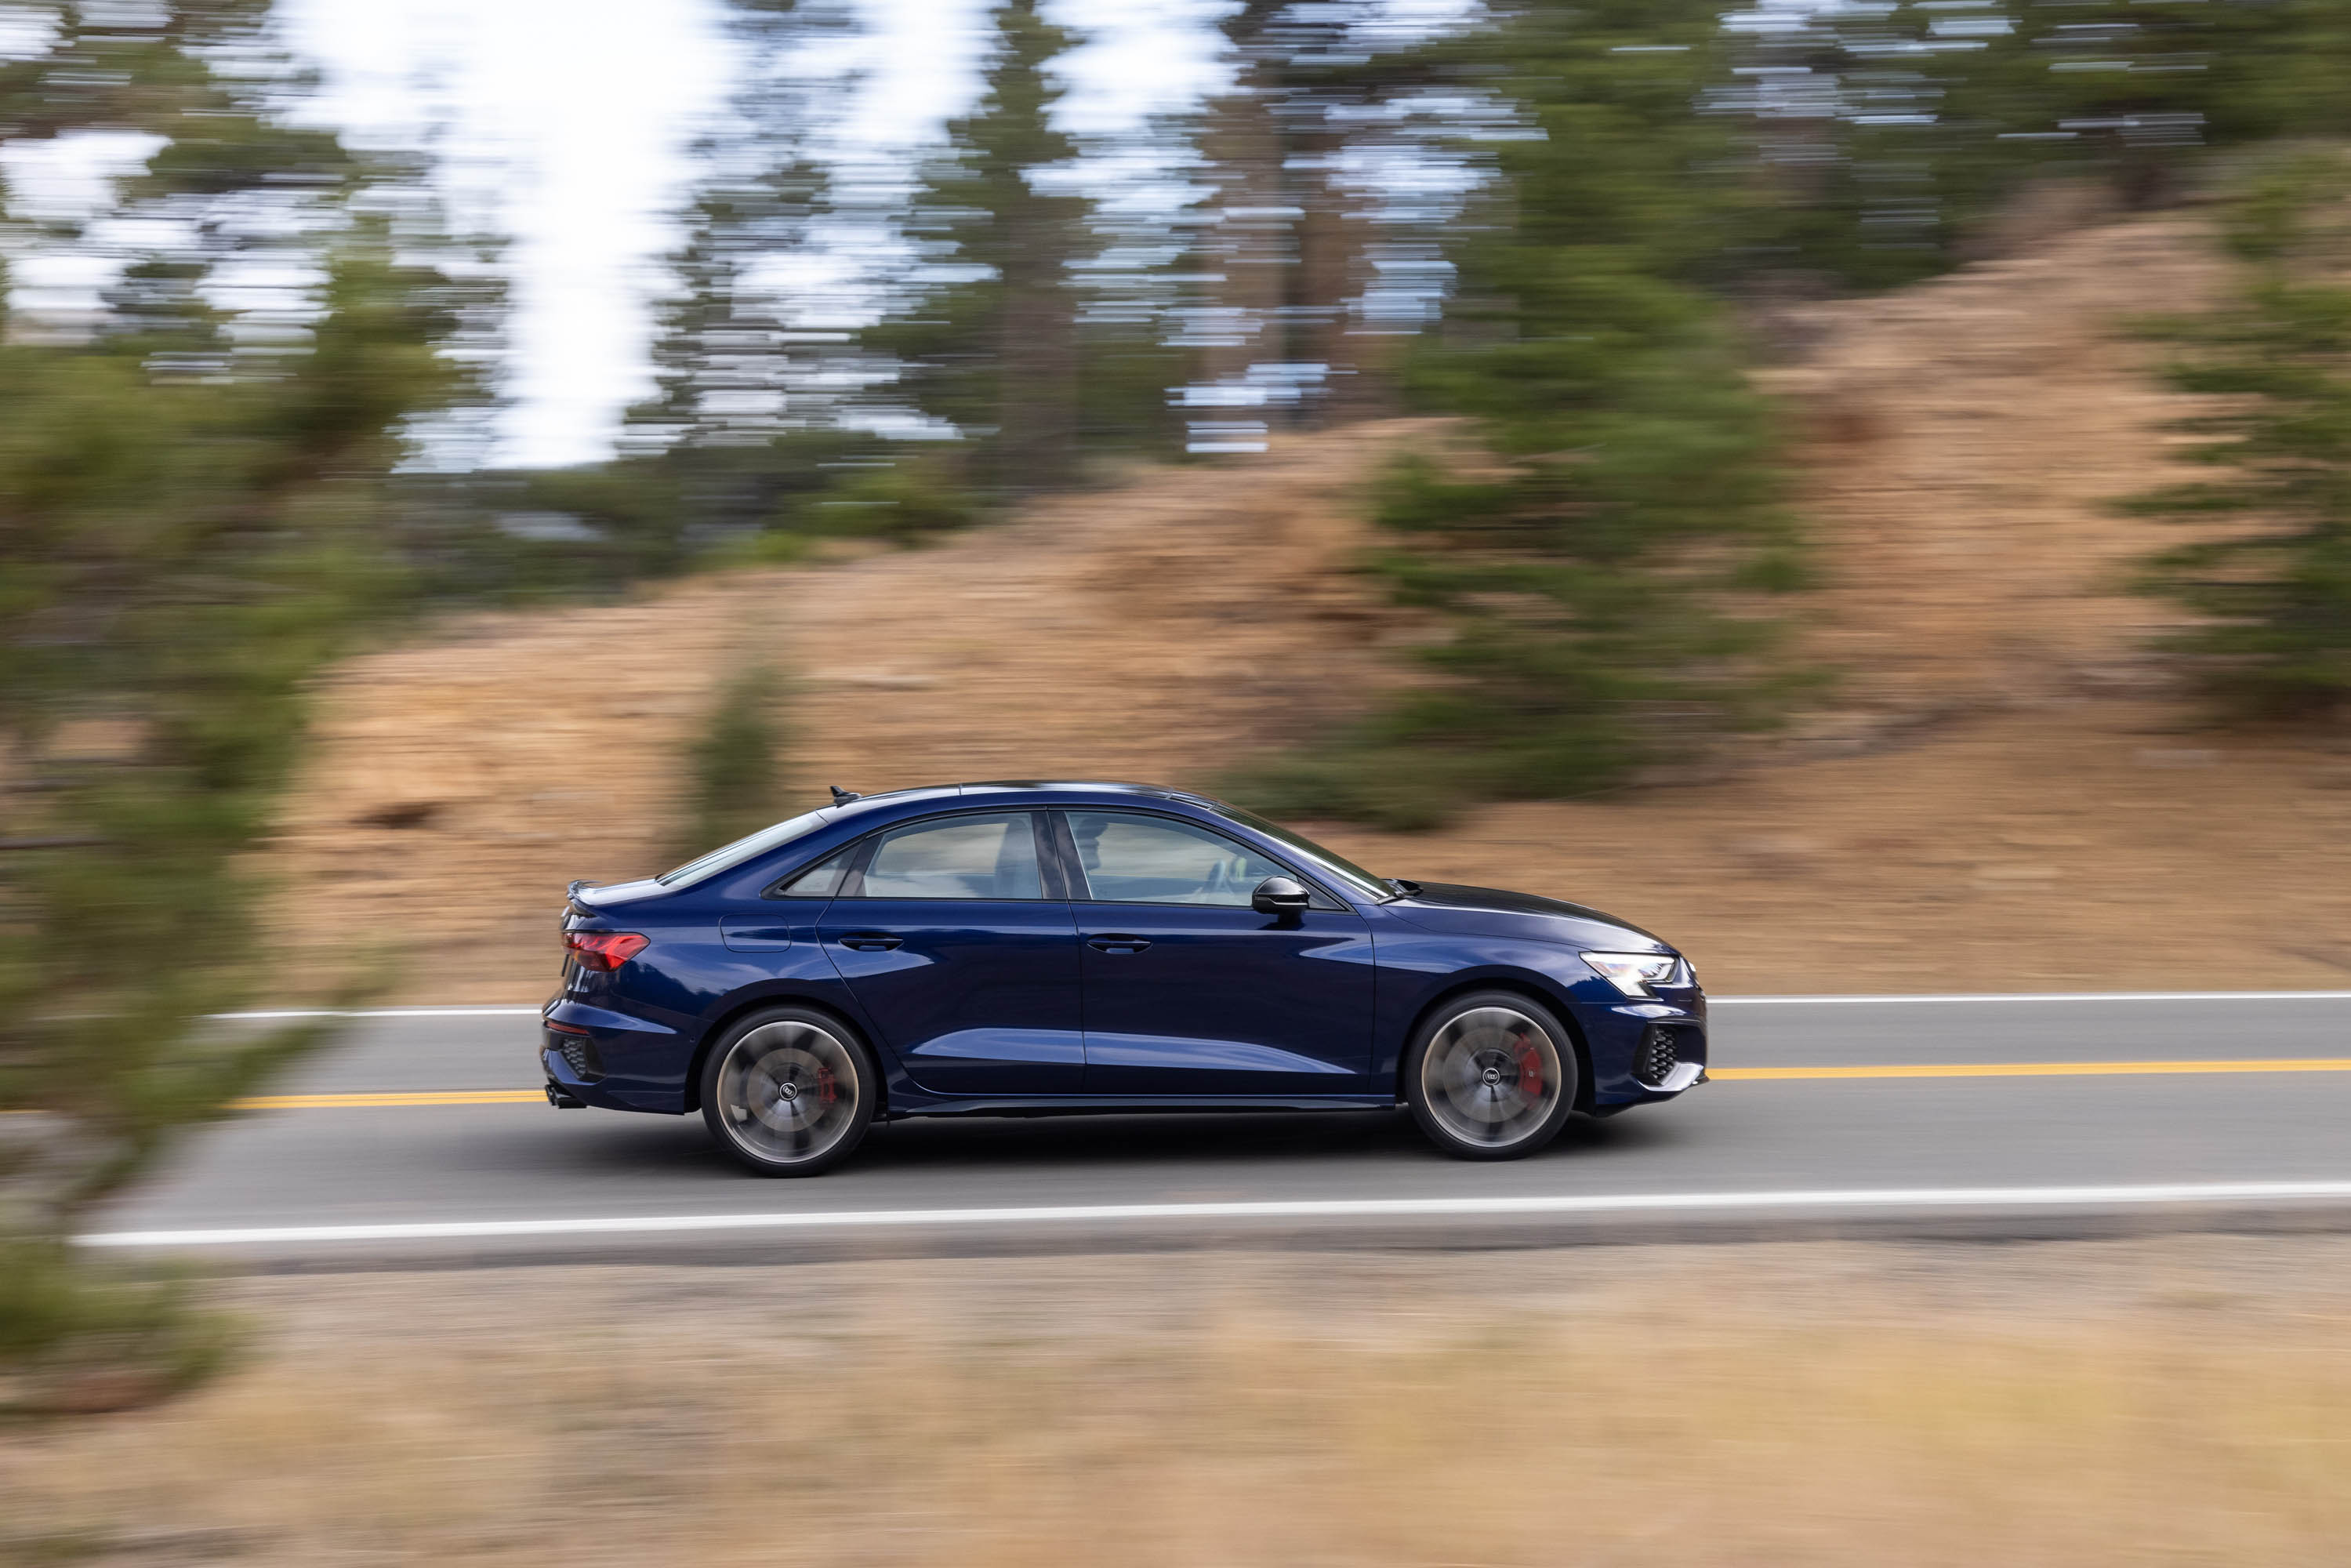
point(1964, 440)
point(2002, 794)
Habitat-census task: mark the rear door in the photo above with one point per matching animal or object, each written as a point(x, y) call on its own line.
point(963, 954)
point(1188, 991)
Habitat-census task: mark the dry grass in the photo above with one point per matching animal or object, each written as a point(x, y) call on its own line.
point(2180, 1402)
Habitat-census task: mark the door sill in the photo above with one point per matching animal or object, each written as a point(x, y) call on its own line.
point(1147, 1104)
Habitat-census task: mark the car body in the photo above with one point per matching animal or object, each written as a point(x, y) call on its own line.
point(1028, 947)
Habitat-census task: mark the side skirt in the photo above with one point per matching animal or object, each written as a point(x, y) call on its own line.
point(1096, 1105)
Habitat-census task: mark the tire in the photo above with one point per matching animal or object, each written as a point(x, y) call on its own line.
point(1491, 1076)
point(761, 1079)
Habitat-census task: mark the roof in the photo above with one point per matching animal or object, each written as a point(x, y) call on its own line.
point(1040, 787)
point(1089, 786)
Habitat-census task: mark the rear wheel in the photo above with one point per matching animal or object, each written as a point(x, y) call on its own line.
point(1491, 1076)
point(789, 1091)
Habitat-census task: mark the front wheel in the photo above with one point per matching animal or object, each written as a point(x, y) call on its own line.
point(789, 1091)
point(1491, 1076)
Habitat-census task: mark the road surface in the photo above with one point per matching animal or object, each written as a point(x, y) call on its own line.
point(421, 1138)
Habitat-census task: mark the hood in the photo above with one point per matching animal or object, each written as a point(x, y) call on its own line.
point(1496, 912)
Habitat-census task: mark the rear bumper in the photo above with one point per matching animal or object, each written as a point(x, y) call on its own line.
point(564, 1082)
point(613, 1061)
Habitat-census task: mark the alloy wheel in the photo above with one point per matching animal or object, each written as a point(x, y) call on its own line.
point(789, 1092)
point(1491, 1076)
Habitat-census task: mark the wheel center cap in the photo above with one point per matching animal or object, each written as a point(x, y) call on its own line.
point(788, 1092)
point(1493, 1075)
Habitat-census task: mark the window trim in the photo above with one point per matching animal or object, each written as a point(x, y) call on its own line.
point(1065, 846)
point(1050, 873)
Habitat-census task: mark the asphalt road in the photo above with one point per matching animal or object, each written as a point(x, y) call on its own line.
point(2007, 1116)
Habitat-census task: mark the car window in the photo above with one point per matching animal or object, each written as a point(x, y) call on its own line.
point(1154, 860)
point(1341, 868)
point(956, 857)
point(821, 880)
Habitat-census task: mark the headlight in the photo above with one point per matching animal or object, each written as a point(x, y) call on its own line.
point(1634, 973)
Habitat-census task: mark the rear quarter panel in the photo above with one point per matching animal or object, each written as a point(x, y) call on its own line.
point(689, 981)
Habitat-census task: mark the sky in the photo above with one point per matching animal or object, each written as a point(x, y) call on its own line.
point(564, 125)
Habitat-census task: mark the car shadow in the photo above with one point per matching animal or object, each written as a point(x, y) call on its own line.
point(1113, 1139)
point(683, 1148)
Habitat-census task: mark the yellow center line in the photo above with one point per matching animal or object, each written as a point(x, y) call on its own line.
point(404, 1097)
point(2040, 1069)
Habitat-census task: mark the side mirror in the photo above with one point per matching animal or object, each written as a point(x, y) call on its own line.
point(1280, 895)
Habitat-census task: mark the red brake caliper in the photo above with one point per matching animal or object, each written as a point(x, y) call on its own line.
point(825, 1088)
point(1529, 1067)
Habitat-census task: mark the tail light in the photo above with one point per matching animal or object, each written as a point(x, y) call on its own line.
point(605, 950)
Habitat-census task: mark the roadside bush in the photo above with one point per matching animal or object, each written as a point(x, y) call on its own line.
point(905, 502)
point(735, 784)
point(78, 1338)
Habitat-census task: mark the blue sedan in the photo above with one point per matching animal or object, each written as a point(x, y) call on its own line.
point(1023, 948)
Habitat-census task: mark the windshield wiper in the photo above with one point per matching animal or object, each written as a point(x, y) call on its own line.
point(1403, 888)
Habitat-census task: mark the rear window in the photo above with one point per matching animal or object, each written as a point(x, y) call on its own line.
point(741, 850)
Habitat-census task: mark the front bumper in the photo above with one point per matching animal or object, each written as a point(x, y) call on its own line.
point(1644, 1052)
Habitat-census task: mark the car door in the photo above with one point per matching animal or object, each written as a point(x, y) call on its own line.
point(1188, 991)
point(963, 955)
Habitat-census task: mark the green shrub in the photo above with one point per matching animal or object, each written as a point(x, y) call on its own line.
point(734, 786)
point(907, 502)
point(78, 1339)
point(2272, 590)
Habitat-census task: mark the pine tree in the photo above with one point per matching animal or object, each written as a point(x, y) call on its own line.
point(995, 351)
point(1586, 584)
point(1883, 140)
point(736, 359)
point(2271, 585)
point(758, 386)
point(1285, 240)
point(192, 510)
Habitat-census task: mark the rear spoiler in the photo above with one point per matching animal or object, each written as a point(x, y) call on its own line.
point(571, 904)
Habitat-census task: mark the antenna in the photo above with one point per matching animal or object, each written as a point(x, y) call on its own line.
point(842, 797)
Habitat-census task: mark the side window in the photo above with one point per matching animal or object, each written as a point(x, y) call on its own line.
point(956, 857)
point(1152, 859)
point(821, 880)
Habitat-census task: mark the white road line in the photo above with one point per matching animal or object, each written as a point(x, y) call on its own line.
point(473, 1012)
point(1985, 1197)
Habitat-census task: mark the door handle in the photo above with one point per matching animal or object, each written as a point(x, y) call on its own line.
point(1107, 943)
point(871, 941)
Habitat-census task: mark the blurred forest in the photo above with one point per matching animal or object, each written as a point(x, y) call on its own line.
point(264, 440)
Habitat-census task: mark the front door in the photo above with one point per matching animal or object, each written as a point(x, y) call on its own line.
point(1188, 991)
point(945, 934)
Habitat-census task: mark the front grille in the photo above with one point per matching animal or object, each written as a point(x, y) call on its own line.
point(1660, 1054)
point(579, 1054)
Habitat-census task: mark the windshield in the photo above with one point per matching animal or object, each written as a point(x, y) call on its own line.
point(1339, 867)
point(741, 850)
